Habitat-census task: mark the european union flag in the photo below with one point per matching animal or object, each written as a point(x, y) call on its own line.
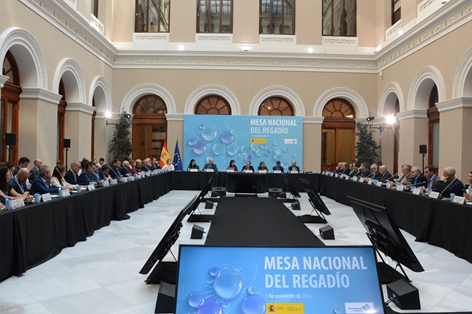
point(177, 160)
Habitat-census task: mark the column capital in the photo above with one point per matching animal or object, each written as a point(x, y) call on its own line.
point(175, 116)
point(412, 114)
point(39, 93)
point(3, 79)
point(456, 103)
point(313, 120)
point(78, 106)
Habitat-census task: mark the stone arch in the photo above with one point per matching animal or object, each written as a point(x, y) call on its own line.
point(277, 91)
point(388, 96)
point(212, 89)
point(420, 88)
point(100, 90)
point(356, 100)
point(69, 71)
point(28, 54)
point(145, 89)
point(462, 84)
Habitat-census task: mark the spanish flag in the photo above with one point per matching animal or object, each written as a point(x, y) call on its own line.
point(164, 155)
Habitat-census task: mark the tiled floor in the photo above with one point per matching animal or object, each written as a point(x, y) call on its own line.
point(101, 275)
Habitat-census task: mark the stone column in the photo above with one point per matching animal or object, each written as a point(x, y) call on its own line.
point(413, 133)
point(455, 131)
point(312, 129)
point(78, 128)
point(38, 133)
point(102, 137)
point(175, 131)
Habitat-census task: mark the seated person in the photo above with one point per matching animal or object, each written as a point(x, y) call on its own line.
point(6, 191)
point(147, 165)
point(34, 172)
point(433, 179)
point(278, 166)
point(363, 170)
point(137, 166)
point(155, 164)
point(382, 175)
point(449, 184)
point(42, 185)
point(22, 163)
point(210, 165)
point(105, 173)
point(262, 167)
point(57, 178)
point(345, 168)
point(247, 167)
point(339, 168)
point(87, 176)
point(168, 166)
point(468, 191)
point(126, 170)
point(193, 165)
point(115, 170)
point(18, 181)
point(418, 179)
point(294, 167)
point(373, 172)
point(72, 175)
point(232, 165)
point(406, 171)
point(354, 169)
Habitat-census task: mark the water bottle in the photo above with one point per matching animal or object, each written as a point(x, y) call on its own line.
point(8, 203)
point(37, 198)
point(452, 196)
point(79, 188)
point(61, 193)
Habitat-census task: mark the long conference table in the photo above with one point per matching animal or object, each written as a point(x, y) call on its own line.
point(36, 233)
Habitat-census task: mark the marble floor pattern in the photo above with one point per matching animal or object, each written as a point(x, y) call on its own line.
point(101, 275)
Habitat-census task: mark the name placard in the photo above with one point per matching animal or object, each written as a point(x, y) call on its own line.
point(370, 182)
point(65, 193)
point(46, 197)
point(294, 171)
point(388, 185)
point(379, 183)
point(91, 187)
point(361, 180)
point(262, 171)
point(193, 170)
point(277, 171)
point(125, 179)
point(229, 170)
point(417, 191)
point(17, 203)
point(209, 170)
point(457, 199)
point(248, 171)
point(434, 194)
point(400, 187)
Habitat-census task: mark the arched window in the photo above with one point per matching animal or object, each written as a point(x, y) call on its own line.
point(433, 133)
point(396, 11)
point(338, 135)
point(277, 17)
point(339, 18)
point(214, 16)
point(152, 16)
point(9, 107)
point(149, 127)
point(276, 106)
point(61, 121)
point(213, 105)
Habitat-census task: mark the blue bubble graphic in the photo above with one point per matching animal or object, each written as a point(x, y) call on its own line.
point(192, 141)
point(285, 150)
point(196, 299)
point(252, 289)
point(274, 143)
point(214, 271)
point(232, 150)
point(191, 311)
point(209, 134)
point(210, 306)
point(277, 150)
point(263, 146)
point(228, 285)
point(199, 148)
point(267, 153)
point(218, 149)
point(259, 152)
point(246, 150)
point(201, 126)
point(253, 304)
point(254, 147)
point(209, 280)
point(337, 310)
point(240, 156)
point(238, 268)
point(227, 137)
point(276, 156)
point(248, 158)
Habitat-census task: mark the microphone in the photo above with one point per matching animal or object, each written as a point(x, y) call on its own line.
point(391, 177)
point(118, 177)
point(440, 194)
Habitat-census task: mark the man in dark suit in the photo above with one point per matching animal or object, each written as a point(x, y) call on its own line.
point(345, 168)
point(42, 185)
point(72, 175)
point(417, 178)
point(278, 166)
point(155, 163)
point(382, 175)
point(87, 176)
point(18, 182)
point(468, 191)
point(210, 165)
point(34, 172)
point(248, 167)
point(22, 163)
point(433, 179)
point(294, 167)
point(406, 170)
point(354, 169)
point(115, 170)
point(449, 184)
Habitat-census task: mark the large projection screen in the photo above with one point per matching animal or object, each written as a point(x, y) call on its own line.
point(258, 280)
point(243, 138)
